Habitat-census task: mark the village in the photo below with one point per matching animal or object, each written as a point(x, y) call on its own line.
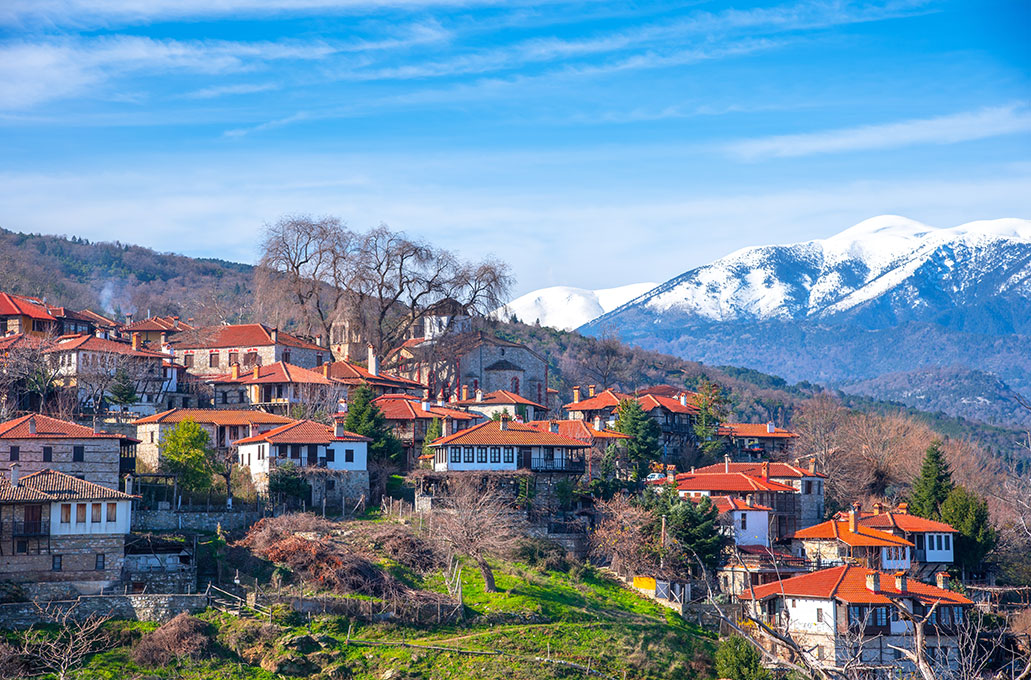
point(129, 444)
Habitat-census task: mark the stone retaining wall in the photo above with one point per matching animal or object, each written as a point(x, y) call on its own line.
point(133, 607)
point(205, 521)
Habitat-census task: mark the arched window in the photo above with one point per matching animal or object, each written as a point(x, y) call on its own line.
point(515, 384)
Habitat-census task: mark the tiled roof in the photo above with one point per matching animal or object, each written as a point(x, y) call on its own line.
point(303, 432)
point(848, 584)
point(352, 374)
point(728, 503)
point(498, 398)
point(407, 407)
point(611, 399)
point(99, 320)
point(159, 323)
point(904, 522)
point(776, 470)
point(577, 429)
point(651, 401)
point(51, 485)
point(10, 341)
point(19, 305)
point(92, 343)
point(735, 482)
point(863, 536)
point(514, 434)
point(607, 399)
point(241, 335)
point(755, 430)
point(50, 428)
point(214, 417)
point(279, 372)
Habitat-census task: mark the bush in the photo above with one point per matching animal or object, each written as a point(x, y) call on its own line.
point(737, 659)
point(182, 637)
point(542, 554)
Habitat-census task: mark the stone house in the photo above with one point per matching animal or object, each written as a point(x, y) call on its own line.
point(277, 388)
point(933, 542)
point(850, 542)
point(61, 536)
point(224, 428)
point(37, 442)
point(501, 402)
point(380, 382)
point(213, 350)
point(595, 435)
point(848, 616)
point(806, 480)
point(409, 419)
point(156, 330)
point(332, 460)
point(757, 441)
point(21, 314)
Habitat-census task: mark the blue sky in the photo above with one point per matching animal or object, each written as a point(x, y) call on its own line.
point(586, 143)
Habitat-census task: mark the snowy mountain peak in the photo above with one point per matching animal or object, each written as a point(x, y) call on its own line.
point(566, 308)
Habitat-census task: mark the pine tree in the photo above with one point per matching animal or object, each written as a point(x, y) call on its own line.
point(692, 531)
point(713, 411)
point(933, 485)
point(432, 432)
point(967, 513)
point(365, 418)
point(643, 446)
point(123, 389)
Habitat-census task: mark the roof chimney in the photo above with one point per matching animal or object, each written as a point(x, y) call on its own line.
point(576, 394)
point(256, 371)
point(599, 424)
point(503, 423)
point(878, 508)
point(941, 578)
point(553, 427)
point(32, 425)
point(770, 427)
point(128, 484)
point(425, 405)
point(14, 475)
point(274, 335)
point(479, 394)
point(726, 463)
point(683, 399)
point(135, 341)
point(766, 469)
point(873, 582)
point(175, 322)
point(853, 518)
point(373, 362)
point(325, 370)
point(903, 508)
point(901, 581)
point(128, 319)
point(465, 393)
point(164, 338)
point(234, 371)
point(812, 465)
point(590, 390)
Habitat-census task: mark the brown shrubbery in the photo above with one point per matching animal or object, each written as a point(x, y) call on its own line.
point(182, 637)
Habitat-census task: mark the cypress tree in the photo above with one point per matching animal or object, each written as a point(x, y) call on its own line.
point(432, 432)
point(933, 485)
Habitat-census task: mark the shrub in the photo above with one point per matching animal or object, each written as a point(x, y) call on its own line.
point(182, 637)
point(542, 554)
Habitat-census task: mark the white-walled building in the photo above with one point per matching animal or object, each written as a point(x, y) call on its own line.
point(849, 541)
point(934, 542)
point(748, 523)
point(504, 445)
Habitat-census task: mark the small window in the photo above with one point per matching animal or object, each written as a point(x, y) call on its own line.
point(99, 562)
point(78, 454)
point(348, 455)
point(213, 360)
point(234, 358)
point(469, 454)
point(509, 454)
point(48, 454)
point(318, 359)
point(112, 512)
point(225, 397)
point(495, 454)
point(55, 563)
point(188, 361)
point(819, 614)
point(80, 513)
point(808, 486)
point(744, 520)
point(15, 453)
point(286, 357)
point(481, 454)
point(66, 513)
point(948, 541)
point(21, 547)
point(794, 603)
point(95, 513)
point(456, 454)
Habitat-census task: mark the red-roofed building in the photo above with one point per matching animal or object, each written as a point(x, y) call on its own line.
point(806, 480)
point(508, 445)
point(850, 542)
point(501, 402)
point(850, 616)
point(37, 442)
point(21, 314)
point(157, 330)
point(409, 417)
point(278, 388)
point(213, 350)
point(757, 441)
point(596, 435)
point(933, 541)
point(380, 382)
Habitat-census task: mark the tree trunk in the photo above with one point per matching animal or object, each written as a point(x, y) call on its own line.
point(229, 489)
point(488, 576)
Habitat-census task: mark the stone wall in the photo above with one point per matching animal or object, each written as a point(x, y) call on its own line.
point(78, 573)
point(99, 465)
point(133, 607)
point(204, 521)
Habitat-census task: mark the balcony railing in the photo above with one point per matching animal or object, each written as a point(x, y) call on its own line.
point(557, 464)
point(30, 528)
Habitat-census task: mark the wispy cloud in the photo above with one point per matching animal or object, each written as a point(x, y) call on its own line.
point(950, 129)
point(270, 125)
point(224, 90)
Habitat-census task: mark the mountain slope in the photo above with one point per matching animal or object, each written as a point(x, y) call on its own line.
point(566, 308)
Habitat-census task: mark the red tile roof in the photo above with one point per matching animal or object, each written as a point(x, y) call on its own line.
point(514, 434)
point(407, 407)
point(911, 524)
point(99, 320)
point(500, 398)
point(755, 430)
point(577, 429)
point(611, 399)
point(279, 372)
point(159, 323)
point(303, 432)
point(353, 374)
point(735, 482)
point(50, 428)
point(51, 485)
point(651, 401)
point(863, 536)
point(19, 305)
point(91, 343)
point(241, 335)
point(214, 417)
point(776, 470)
point(10, 341)
point(729, 503)
point(603, 400)
point(848, 584)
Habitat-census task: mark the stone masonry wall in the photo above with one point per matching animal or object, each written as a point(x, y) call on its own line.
point(132, 607)
point(99, 464)
point(169, 520)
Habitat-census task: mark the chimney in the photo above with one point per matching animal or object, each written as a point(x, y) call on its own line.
point(878, 508)
point(576, 394)
point(425, 405)
point(553, 427)
point(32, 425)
point(234, 371)
point(96, 426)
point(748, 500)
point(873, 582)
point(590, 390)
point(14, 475)
point(853, 518)
point(901, 581)
point(479, 395)
point(503, 423)
point(770, 427)
point(465, 393)
point(256, 373)
point(766, 470)
point(683, 399)
point(941, 578)
point(128, 319)
point(274, 335)
point(164, 338)
point(136, 341)
point(373, 362)
point(726, 463)
point(812, 465)
point(175, 322)
point(325, 370)
point(128, 484)
point(903, 508)
point(599, 424)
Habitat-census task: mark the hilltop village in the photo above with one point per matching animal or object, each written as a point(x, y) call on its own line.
point(143, 457)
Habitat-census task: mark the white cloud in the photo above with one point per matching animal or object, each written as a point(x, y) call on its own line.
point(223, 90)
point(950, 129)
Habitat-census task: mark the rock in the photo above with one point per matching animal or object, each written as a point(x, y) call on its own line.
point(305, 644)
point(390, 674)
point(283, 664)
point(326, 641)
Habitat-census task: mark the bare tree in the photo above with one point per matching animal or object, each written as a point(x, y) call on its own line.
point(65, 649)
point(621, 536)
point(477, 522)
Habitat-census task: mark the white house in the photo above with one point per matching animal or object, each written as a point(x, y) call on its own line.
point(507, 445)
point(933, 541)
point(747, 522)
point(849, 541)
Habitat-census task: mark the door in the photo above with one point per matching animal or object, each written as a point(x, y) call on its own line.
point(33, 520)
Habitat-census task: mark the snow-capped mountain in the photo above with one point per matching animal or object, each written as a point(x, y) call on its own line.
point(566, 308)
point(886, 261)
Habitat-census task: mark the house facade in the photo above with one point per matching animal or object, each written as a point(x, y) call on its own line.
point(499, 403)
point(277, 388)
point(849, 542)
point(410, 418)
point(757, 441)
point(504, 445)
point(933, 542)
point(594, 434)
point(212, 351)
point(805, 480)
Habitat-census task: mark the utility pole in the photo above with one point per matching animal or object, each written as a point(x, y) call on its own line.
point(662, 543)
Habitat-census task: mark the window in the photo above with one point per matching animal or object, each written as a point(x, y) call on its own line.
point(808, 486)
point(95, 513)
point(234, 358)
point(286, 357)
point(881, 616)
point(55, 563)
point(318, 359)
point(348, 455)
point(112, 512)
point(225, 397)
point(66, 513)
point(213, 360)
point(819, 614)
point(21, 547)
point(80, 513)
point(948, 541)
point(744, 520)
point(48, 454)
point(78, 454)
point(15, 452)
point(509, 454)
point(481, 454)
point(99, 562)
point(188, 361)
point(295, 451)
point(919, 541)
point(939, 541)
point(468, 454)
point(456, 454)
point(495, 454)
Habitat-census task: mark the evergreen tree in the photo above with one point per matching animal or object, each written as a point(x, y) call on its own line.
point(186, 453)
point(365, 418)
point(433, 432)
point(933, 485)
point(713, 411)
point(123, 389)
point(692, 531)
point(967, 513)
point(643, 446)
point(737, 659)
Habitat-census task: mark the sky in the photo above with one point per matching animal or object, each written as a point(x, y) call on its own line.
point(590, 144)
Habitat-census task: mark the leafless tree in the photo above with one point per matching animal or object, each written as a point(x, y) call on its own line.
point(620, 535)
point(316, 402)
point(65, 649)
point(478, 522)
